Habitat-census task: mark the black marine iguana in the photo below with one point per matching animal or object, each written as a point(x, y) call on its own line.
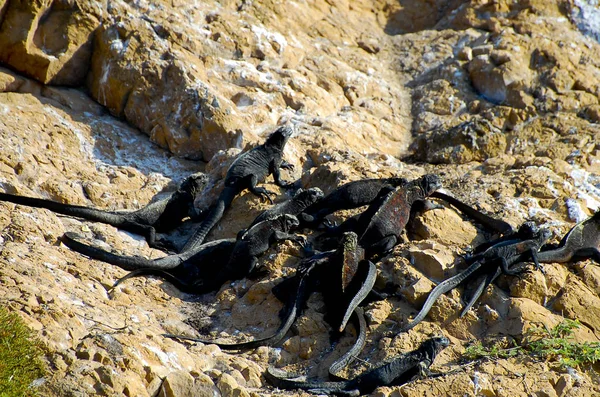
point(581, 242)
point(246, 171)
point(202, 253)
point(343, 276)
point(496, 259)
point(188, 271)
point(162, 215)
point(295, 206)
point(527, 231)
point(348, 196)
point(396, 372)
point(379, 227)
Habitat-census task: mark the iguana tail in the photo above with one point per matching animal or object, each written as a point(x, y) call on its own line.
point(215, 215)
point(281, 380)
point(354, 351)
point(125, 262)
point(78, 211)
point(494, 224)
point(440, 289)
point(176, 281)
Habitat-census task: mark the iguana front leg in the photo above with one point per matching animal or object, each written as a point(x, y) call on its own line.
point(534, 258)
point(423, 369)
point(286, 166)
point(281, 236)
point(505, 267)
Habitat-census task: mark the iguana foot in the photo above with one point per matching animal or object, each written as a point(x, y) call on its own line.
point(301, 241)
point(329, 224)
point(286, 166)
point(266, 195)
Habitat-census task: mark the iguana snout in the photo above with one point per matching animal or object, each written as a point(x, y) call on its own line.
point(314, 194)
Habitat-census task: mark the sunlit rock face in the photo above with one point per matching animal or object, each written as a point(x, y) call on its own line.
point(112, 104)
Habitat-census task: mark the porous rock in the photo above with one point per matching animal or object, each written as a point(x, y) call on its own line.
point(499, 98)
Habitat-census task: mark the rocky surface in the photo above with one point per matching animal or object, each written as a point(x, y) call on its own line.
point(500, 98)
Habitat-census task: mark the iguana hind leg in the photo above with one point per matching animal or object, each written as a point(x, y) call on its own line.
point(505, 267)
point(383, 246)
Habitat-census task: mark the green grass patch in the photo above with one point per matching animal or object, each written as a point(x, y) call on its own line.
point(20, 357)
point(555, 345)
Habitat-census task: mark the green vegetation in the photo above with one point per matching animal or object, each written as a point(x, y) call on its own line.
point(554, 344)
point(20, 362)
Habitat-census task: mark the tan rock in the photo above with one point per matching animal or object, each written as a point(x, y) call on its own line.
point(577, 301)
point(432, 259)
point(182, 384)
point(445, 227)
point(590, 274)
point(470, 141)
point(227, 385)
point(204, 77)
point(532, 286)
point(417, 293)
point(52, 44)
point(523, 313)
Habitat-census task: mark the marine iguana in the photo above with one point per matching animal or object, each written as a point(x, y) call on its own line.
point(295, 206)
point(396, 372)
point(380, 225)
point(246, 171)
point(348, 196)
point(360, 325)
point(212, 264)
point(343, 276)
point(201, 254)
point(162, 215)
point(527, 231)
point(581, 242)
point(495, 259)
point(250, 244)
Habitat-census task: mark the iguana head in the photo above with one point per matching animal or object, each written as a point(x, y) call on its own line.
point(528, 230)
point(430, 183)
point(194, 183)
point(543, 236)
point(309, 196)
point(432, 347)
point(289, 222)
point(279, 137)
